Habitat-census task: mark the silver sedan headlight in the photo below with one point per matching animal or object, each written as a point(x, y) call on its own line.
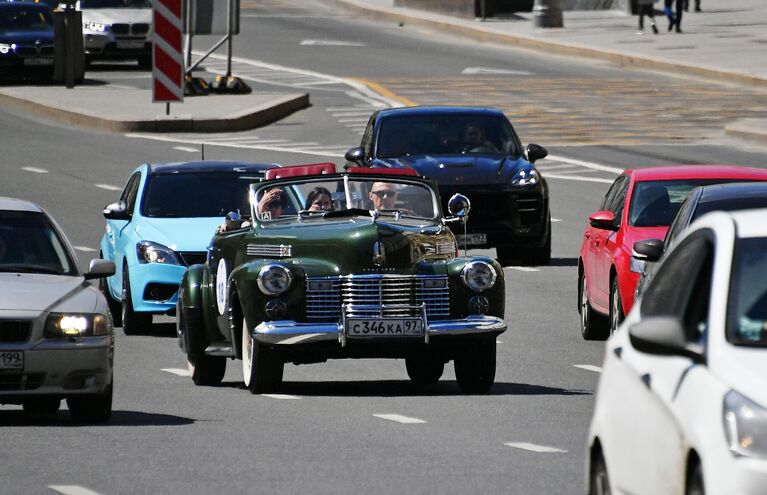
point(273, 280)
point(745, 424)
point(152, 252)
point(60, 325)
point(478, 275)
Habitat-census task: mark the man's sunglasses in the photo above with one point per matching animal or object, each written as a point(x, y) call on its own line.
point(381, 194)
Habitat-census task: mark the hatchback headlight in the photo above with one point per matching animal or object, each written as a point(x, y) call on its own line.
point(60, 325)
point(525, 177)
point(478, 275)
point(745, 424)
point(152, 252)
point(273, 280)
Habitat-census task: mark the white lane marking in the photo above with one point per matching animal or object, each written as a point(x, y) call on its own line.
point(72, 490)
point(499, 342)
point(494, 70)
point(85, 249)
point(582, 179)
point(399, 418)
point(589, 367)
point(108, 187)
point(35, 170)
point(523, 268)
point(331, 43)
point(186, 148)
point(534, 448)
point(328, 151)
point(556, 220)
point(582, 163)
point(176, 371)
point(281, 396)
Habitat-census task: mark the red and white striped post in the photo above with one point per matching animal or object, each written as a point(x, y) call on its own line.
point(168, 59)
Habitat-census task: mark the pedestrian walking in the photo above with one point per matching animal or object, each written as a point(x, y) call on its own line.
point(647, 8)
point(675, 17)
point(687, 5)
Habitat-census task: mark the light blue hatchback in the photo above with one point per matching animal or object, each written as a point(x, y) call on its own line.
point(163, 223)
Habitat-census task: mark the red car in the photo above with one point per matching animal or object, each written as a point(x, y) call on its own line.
point(640, 204)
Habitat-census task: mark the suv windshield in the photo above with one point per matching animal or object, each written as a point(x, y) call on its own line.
point(305, 199)
point(115, 4)
point(747, 319)
point(186, 195)
point(445, 134)
point(25, 16)
point(30, 244)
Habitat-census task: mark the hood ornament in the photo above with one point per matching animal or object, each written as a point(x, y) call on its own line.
point(379, 254)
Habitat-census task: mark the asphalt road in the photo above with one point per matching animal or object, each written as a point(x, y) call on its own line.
point(325, 434)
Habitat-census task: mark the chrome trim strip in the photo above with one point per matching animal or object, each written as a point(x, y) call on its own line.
point(270, 250)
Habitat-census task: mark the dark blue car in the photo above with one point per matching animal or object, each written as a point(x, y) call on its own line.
point(476, 152)
point(26, 40)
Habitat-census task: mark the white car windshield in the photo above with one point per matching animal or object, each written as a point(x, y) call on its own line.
point(303, 199)
point(747, 322)
point(30, 244)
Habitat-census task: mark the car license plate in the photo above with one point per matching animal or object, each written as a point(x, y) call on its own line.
point(472, 239)
point(11, 360)
point(129, 45)
point(38, 61)
point(388, 327)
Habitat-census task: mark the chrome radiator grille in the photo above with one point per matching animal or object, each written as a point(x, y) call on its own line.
point(326, 295)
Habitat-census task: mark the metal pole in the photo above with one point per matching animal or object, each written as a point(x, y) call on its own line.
point(188, 21)
point(229, 10)
point(482, 8)
point(69, 67)
point(547, 14)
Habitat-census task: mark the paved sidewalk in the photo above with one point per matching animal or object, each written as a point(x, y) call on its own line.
point(727, 41)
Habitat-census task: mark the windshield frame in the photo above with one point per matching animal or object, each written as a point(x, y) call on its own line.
point(299, 219)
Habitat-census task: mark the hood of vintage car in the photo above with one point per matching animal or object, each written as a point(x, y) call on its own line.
point(38, 292)
point(469, 169)
point(362, 244)
point(179, 234)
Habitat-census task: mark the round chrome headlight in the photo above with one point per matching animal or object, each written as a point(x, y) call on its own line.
point(478, 275)
point(273, 280)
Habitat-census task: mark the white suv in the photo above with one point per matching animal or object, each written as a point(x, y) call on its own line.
point(117, 30)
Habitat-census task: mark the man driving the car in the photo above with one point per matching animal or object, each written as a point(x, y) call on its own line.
point(384, 196)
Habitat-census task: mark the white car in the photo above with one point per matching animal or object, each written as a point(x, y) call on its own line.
point(117, 30)
point(56, 335)
point(681, 406)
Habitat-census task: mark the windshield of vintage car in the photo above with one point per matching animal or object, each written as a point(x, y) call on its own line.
point(306, 199)
point(26, 17)
point(747, 314)
point(656, 203)
point(30, 244)
point(115, 4)
point(445, 134)
point(204, 194)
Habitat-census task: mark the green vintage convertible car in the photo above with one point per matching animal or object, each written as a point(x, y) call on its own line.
point(358, 264)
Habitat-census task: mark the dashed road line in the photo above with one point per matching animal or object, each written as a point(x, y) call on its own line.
point(583, 163)
point(177, 371)
point(332, 43)
point(35, 170)
point(524, 269)
point(543, 449)
point(72, 490)
point(186, 148)
point(84, 249)
point(589, 367)
point(108, 187)
point(581, 179)
point(397, 418)
point(557, 220)
point(281, 396)
point(494, 70)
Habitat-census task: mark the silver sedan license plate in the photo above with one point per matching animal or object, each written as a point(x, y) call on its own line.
point(388, 327)
point(11, 360)
point(472, 239)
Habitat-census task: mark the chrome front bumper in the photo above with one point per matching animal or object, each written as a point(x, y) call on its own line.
point(288, 332)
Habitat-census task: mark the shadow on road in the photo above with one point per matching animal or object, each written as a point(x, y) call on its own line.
point(563, 262)
point(404, 388)
point(119, 418)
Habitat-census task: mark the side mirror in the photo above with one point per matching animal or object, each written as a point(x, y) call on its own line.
point(535, 152)
point(459, 206)
point(604, 220)
point(664, 336)
point(99, 269)
point(648, 250)
point(355, 155)
point(116, 211)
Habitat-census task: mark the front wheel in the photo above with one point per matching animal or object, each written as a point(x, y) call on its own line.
point(424, 369)
point(599, 482)
point(695, 484)
point(593, 326)
point(616, 307)
point(261, 368)
point(475, 366)
point(134, 323)
point(91, 408)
